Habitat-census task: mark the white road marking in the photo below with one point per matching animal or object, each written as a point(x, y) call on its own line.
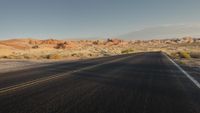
point(185, 73)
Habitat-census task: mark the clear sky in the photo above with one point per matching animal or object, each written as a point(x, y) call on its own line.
point(91, 18)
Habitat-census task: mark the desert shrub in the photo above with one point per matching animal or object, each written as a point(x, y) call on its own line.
point(90, 55)
point(73, 54)
point(18, 56)
point(54, 56)
point(35, 47)
point(26, 56)
point(184, 54)
point(96, 42)
point(43, 57)
point(60, 46)
point(30, 56)
point(9, 57)
point(126, 51)
point(14, 57)
point(181, 62)
point(195, 54)
point(4, 57)
point(174, 55)
point(77, 54)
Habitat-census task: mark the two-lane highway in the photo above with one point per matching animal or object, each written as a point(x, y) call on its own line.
point(136, 83)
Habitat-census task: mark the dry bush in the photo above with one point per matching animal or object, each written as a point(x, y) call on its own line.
point(23, 56)
point(17, 57)
point(13, 57)
point(90, 55)
point(182, 62)
point(35, 47)
point(174, 55)
point(60, 46)
point(43, 57)
point(184, 54)
point(77, 54)
point(3, 56)
point(195, 54)
point(30, 56)
point(74, 54)
point(54, 56)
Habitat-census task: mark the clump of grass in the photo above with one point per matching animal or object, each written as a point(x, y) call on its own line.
point(174, 55)
point(184, 54)
point(127, 51)
point(181, 62)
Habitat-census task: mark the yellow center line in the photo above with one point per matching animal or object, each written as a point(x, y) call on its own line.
point(33, 82)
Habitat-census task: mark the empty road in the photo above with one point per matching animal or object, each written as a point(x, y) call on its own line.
point(134, 83)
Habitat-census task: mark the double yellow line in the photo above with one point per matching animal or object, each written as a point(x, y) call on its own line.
point(53, 77)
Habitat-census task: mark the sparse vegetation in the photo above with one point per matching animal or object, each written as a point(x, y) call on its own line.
point(127, 51)
point(174, 55)
point(54, 56)
point(27, 56)
point(60, 46)
point(182, 62)
point(184, 54)
point(185, 48)
point(35, 47)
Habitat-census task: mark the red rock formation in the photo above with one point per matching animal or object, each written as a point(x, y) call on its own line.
point(113, 41)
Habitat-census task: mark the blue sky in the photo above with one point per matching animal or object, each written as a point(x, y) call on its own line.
point(91, 18)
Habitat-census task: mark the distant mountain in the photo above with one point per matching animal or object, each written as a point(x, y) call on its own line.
point(161, 32)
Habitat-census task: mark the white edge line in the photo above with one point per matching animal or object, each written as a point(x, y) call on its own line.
point(184, 72)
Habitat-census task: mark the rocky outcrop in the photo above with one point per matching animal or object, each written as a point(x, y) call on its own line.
point(113, 41)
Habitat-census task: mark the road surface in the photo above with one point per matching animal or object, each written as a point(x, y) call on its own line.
point(135, 83)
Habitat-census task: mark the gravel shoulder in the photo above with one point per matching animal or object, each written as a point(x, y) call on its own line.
point(192, 66)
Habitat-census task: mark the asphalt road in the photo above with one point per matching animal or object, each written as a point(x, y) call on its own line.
point(135, 83)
